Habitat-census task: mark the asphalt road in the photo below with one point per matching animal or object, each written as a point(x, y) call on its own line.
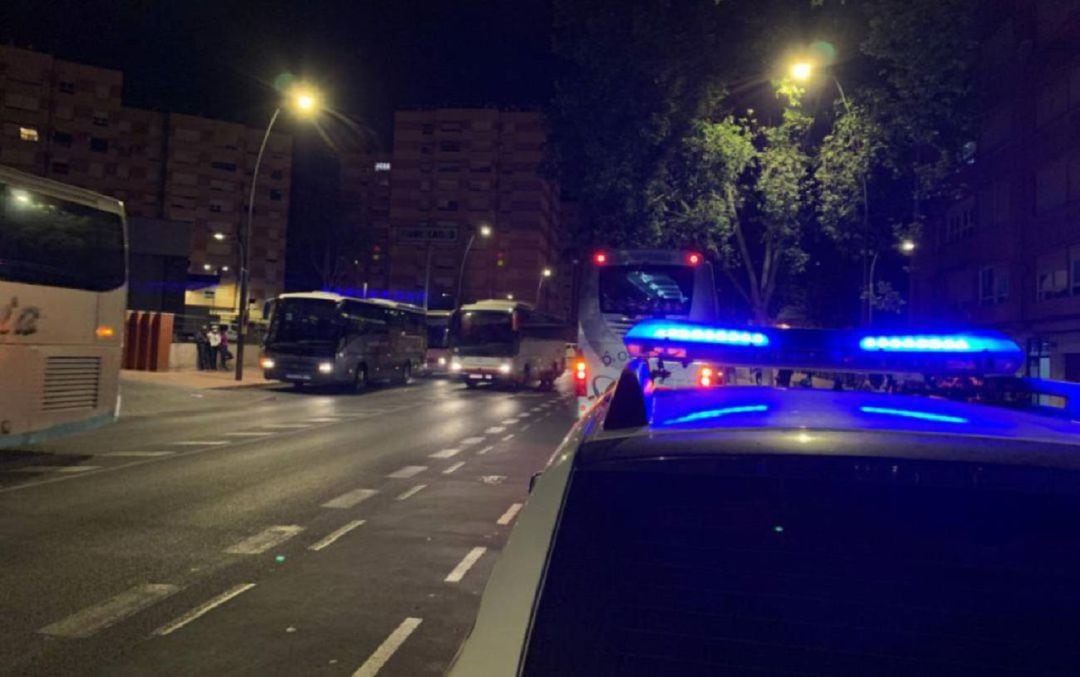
point(261, 531)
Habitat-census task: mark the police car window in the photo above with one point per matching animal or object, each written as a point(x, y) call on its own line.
point(646, 290)
point(811, 566)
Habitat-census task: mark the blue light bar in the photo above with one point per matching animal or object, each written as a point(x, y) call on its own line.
point(909, 413)
point(694, 333)
point(938, 343)
point(718, 413)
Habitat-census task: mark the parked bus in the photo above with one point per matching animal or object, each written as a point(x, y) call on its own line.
point(63, 291)
point(438, 347)
point(320, 338)
point(620, 288)
point(506, 342)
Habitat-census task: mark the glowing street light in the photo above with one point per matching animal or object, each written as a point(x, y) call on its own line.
point(483, 231)
point(220, 237)
point(801, 71)
point(544, 274)
point(907, 246)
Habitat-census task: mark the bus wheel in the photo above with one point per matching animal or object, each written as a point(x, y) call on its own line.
point(360, 381)
point(406, 374)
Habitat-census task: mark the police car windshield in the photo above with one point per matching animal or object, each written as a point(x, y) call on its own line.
point(646, 290)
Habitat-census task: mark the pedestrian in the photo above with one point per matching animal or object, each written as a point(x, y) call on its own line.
point(202, 348)
point(225, 354)
point(213, 339)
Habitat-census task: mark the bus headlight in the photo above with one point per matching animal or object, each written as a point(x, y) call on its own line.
point(504, 368)
point(442, 361)
point(326, 367)
point(455, 365)
point(266, 363)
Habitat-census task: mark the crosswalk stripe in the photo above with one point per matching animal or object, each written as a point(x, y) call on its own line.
point(264, 540)
point(92, 620)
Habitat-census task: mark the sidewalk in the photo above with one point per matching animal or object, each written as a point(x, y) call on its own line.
point(198, 379)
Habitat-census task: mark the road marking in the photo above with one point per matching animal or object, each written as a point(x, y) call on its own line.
point(508, 437)
point(203, 609)
point(484, 450)
point(453, 468)
point(508, 516)
point(446, 453)
point(464, 565)
point(136, 454)
point(408, 471)
point(409, 493)
point(89, 621)
point(386, 650)
point(334, 535)
point(326, 419)
point(264, 540)
point(495, 430)
point(350, 499)
point(509, 421)
point(469, 441)
point(524, 414)
point(526, 427)
point(248, 434)
point(286, 426)
point(201, 443)
point(493, 479)
point(56, 468)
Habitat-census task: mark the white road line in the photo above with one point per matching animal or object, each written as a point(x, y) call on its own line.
point(264, 540)
point(286, 426)
point(509, 515)
point(526, 427)
point(93, 619)
point(136, 454)
point(386, 650)
point(495, 430)
point(334, 535)
point(509, 421)
point(524, 414)
point(453, 468)
point(408, 471)
point(201, 443)
point(326, 419)
point(484, 450)
point(57, 468)
point(350, 499)
point(203, 609)
point(446, 453)
point(409, 493)
point(508, 437)
point(248, 434)
point(469, 441)
point(464, 565)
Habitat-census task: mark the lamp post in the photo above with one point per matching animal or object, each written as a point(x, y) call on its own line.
point(544, 274)
point(305, 102)
point(907, 247)
point(484, 231)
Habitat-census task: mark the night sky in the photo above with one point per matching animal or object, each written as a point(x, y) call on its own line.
point(218, 58)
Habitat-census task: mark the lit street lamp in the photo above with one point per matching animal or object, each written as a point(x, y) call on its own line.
point(906, 246)
point(304, 101)
point(484, 231)
point(544, 274)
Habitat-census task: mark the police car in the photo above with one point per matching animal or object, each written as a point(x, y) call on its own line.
point(760, 530)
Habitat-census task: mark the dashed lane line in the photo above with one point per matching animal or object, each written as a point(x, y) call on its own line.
point(386, 650)
point(408, 471)
point(508, 437)
point(350, 499)
point(495, 430)
point(524, 414)
point(264, 540)
point(409, 493)
point(453, 468)
point(136, 454)
point(464, 565)
point(91, 620)
point(201, 443)
point(249, 433)
point(446, 453)
point(203, 609)
point(509, 515)
point(286, 426)
point(68, 469)
point(469, 441)
point(334, 535)
point(484, 450)
point(509, 421)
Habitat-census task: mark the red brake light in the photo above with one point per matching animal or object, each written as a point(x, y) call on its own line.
point(709, 377)
point(580, 368)
point(693, 259)
point(599, 258)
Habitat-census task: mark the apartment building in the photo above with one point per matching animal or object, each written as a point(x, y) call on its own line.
point(1007, 253)
point(459, 173)
point(365, 209)
point(67, 121)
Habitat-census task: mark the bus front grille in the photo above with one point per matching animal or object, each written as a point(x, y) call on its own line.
point(71, 383)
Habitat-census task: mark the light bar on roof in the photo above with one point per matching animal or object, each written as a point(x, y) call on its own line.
point(936, 343)
point(693, 333)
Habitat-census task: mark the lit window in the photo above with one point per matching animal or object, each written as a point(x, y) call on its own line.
point(28, 134)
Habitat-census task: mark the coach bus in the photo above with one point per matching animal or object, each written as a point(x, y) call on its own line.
point(320, 338)
point(63, 292)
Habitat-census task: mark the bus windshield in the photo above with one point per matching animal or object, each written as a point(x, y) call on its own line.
point(483, 333)
point(646, 290)
point(48, 241)
point(305, 321)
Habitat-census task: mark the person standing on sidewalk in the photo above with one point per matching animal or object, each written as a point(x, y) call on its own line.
point(202, 348)
point(213, 339)
point(225, 354)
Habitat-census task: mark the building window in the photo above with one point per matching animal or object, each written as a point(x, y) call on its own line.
point(993, 286)
point(447, 205)
point(276, 174)
point(1052, 277)
point(224, 166)
point(276, 194)
point(21, 101)
point(28, 134)
point(449, 167)
point(67, 87)
point(99, 145)
point(427, 128)
point(101, 119)
point(960, 221)
point(1074, 265)
point(60, 168)
point(450, 146)
point(214, 207)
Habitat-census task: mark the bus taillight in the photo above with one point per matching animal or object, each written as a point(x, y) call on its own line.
point(708, 377)
point(581, 377)
point(693, 259)
point(599, 258)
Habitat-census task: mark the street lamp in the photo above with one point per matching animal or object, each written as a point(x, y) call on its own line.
point(304, 101)
point(544, 274)
point(801, 71)
point(906, 246)
point(483, 231)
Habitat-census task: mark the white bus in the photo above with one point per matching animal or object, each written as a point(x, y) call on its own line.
point(620, 288)
point(63, 292)
point(506, 342)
